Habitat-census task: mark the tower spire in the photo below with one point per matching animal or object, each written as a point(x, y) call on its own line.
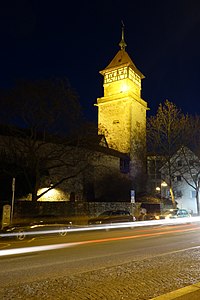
point(122, 43)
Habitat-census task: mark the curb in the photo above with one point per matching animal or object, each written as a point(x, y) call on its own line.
point(183, 293)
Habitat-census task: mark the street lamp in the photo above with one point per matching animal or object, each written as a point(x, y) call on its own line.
point(163, 189)
point(159, 189)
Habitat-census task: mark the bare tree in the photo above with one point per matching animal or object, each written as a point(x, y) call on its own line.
point(44, 133)
point(166, 133)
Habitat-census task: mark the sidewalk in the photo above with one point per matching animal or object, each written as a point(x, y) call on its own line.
point(191, 292)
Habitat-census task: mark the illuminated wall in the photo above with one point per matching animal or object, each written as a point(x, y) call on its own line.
point(121, 111)
point(52, 195)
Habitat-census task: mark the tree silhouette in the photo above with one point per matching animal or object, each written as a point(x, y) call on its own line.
point(43, 133)
point(166, 133)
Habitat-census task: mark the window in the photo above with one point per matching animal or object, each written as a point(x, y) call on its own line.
point(179, 178)
point(124, 165)
point(179, 163)
point(178, 194)
point(193, 193)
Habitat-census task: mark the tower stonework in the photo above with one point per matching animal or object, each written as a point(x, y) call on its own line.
point(122, 111)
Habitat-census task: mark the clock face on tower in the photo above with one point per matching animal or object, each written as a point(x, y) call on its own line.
point(116, 75)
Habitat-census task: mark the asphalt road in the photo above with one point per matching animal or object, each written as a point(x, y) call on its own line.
point(88, 257)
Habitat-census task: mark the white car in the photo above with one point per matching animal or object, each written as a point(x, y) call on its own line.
point(174, 214)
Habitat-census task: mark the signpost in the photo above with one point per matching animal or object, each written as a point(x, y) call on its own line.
point(132, 196)
point(133, 201)
point(13, 198)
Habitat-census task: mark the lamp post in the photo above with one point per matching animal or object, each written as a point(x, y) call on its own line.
point(159, 189)
point(163, 186)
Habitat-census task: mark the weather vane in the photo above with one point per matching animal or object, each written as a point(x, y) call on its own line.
point(122, 43)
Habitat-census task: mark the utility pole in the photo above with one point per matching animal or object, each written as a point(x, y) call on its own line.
point(13, 198)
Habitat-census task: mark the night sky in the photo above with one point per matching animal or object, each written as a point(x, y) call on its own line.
point(77, 39)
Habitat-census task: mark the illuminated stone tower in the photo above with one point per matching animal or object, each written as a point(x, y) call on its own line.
point(122, 111)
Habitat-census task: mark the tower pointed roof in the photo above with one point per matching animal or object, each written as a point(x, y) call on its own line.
point(122, 59)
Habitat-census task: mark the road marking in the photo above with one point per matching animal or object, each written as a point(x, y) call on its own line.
point(190, 291)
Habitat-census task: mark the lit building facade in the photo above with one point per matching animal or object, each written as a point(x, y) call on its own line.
point(122, 111)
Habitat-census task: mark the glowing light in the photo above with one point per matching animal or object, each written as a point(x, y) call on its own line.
point(51, 195)
point(67, 245)
point(50, 192)
point(124, 88)
point(110, 226)
point(33, 249)
point(163, 183)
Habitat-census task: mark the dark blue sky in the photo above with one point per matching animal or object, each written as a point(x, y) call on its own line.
point(77, 39)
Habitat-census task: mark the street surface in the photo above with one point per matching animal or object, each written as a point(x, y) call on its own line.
point(138, 263)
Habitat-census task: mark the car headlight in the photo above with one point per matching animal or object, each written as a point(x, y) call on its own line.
point(98, 222)
point(168, 217)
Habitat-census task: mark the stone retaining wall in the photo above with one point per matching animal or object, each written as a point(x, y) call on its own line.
point(67, 208)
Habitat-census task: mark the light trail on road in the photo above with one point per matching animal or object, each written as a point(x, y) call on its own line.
point(108, 226)
point(24, 250)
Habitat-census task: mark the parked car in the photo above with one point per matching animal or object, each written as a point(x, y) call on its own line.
point(112, 216)
point(37, 227)
point(48, 219)
point(174, 213)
